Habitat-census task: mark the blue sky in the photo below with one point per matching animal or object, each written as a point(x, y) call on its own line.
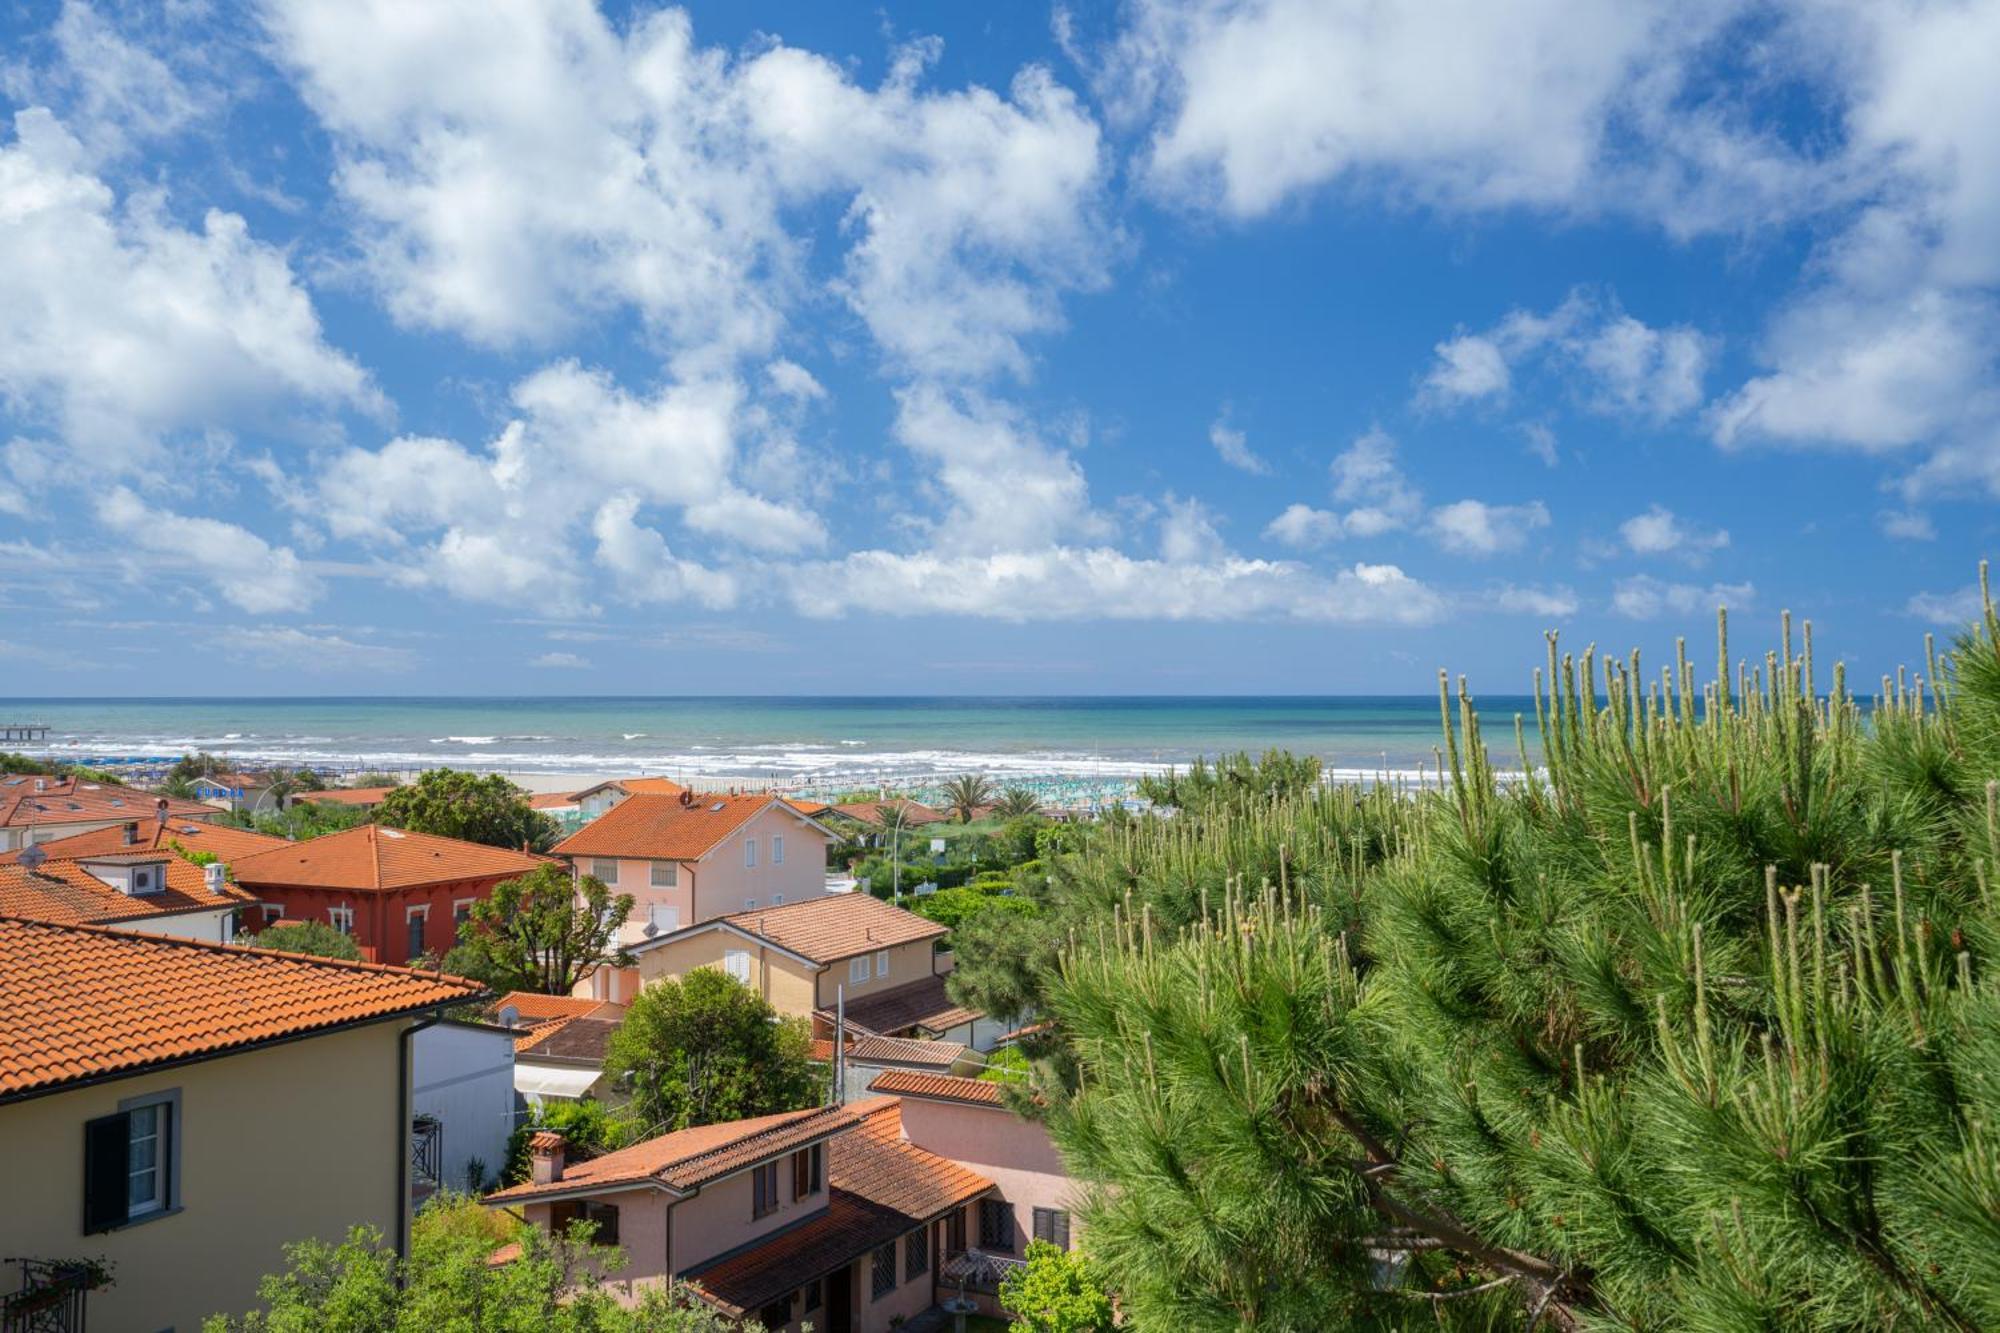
point(539, 347)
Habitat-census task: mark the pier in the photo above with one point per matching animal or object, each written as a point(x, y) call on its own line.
point(24, 733)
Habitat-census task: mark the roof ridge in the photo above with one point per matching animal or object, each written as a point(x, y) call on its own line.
point(251, 951)
point(798, 1118)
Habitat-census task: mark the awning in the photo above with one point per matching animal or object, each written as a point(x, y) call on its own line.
point(539, 1081)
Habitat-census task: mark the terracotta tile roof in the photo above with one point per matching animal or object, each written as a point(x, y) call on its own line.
point(921, 1004)
point(82, 1002)
point(67, 893)
point(533, 1006)
point(76, 801)
point(660, 828)
point(635, 787)
point(373, 857)
point(225, 840)
point(689, 1158)
point(915, 813)
point(870, 1049)
point(584, 1040)
point(551, 800)
point(938, 1087)
point(836, 926)
point(347, 795)
point(880, 1188)
point(811, 809)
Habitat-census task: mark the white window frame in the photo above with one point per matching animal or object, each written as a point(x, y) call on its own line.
point(749, 853)
point(736, 962)
point(673, 878)
point(665, 918)
point(777, 850)
point(423, 914)
point(461, 910)
point(881, 963)
point(166, 1200)
point(341, 919)
point(857, 971)
point(597, 864)
point(161, 1139)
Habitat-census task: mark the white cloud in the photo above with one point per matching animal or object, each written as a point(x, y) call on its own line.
point(1541, 442)
point(110, 89)
point(120, 328)
point(1908, 525)
point(1302, 528)
point(1614, 364)
point(1659, 531)
point(646, 569)
point(1957, 608)
point(1557, 601)
point(284, 648)
point(789, 379)
point(559, 662)
point(1005, 487)
point(1366, 476)
point(1644, 597)
point(1188, 534)
point(1072, 583)
point(245, 569)
point(1473, 527)
point(1234, 447)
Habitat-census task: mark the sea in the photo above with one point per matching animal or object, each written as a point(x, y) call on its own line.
point(1080, 746)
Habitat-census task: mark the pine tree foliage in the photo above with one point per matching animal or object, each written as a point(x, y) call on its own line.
point(1694, 1026)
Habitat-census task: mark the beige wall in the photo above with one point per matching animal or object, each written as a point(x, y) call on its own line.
point(907, 963)
point(779, 978)
point(1015, 1154)
point(278, 1145)
point(636, 878)
point(723, 884)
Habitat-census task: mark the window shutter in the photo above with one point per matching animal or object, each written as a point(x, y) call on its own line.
point(107, 1152)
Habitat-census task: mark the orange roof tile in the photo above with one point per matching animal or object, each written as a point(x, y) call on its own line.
point(661, 828)
point(372, 857)
point(689, 1158)
point(870, 1049)
point(82, 1002)
point(635, 787)
point(77, 801)
point(551, 800)
point(880, 1188)
point(836, 926)
point(938, 1087)
point(66, 892)
point(925, 1005)
point(346, 795)
point(225, 840)
point(533, 1006)
point(915, 813)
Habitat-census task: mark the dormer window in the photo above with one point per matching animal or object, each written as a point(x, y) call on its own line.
point(146, 879)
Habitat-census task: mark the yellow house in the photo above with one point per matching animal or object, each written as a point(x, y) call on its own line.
point(180, 1111)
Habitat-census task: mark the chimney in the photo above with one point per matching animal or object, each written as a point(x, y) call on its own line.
point(213, 875)
point(545, 1157)
point(160, 809)
point(130, 836)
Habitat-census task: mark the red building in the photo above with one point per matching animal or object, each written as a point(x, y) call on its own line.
point(399, 894)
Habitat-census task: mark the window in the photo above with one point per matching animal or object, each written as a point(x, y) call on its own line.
point(664, 919)
point(341, 919)
point(603, 1216)
point(916, 1254)
point(777, 1314)
point(131, 1161)
point(665, 874)
point(806, 1172)
point(749, 904)
point(857, 971)
point(777, 851)
point(996, 1226)
point(763, 1190)
point(604, 870)
point(954, 1232)
point(881, 962)
point(414, 944)
point(749, 852)
point(1052, 1225)
point(737, 964)
point(461, 912)
point(885, 1272)
point(812, 1296)
point(777, 900)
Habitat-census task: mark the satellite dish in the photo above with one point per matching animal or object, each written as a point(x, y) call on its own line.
point(31, 858)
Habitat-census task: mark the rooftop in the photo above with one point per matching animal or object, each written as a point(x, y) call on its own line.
point(836, 926)
point(347, 795)
point(65, 892)
point(373, 857)
point(81, 1003)
point(689, 1158)
point(148, 833)
point(938, 1088)
point(663, 828)
point(872, 1050)
point(870, 812)
point(921, 1004)
point(581, 1040)
point(77, 801)
point(879, 1187)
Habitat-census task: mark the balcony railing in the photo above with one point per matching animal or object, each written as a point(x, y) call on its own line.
point(51, 1297)
point(426, 1154)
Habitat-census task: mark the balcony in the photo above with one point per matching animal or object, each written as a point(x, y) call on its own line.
point(51, 1296)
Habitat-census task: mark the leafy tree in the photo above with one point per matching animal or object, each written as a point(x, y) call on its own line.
point(588, 1127)
point(12, 762)
point(706, 1048)
point(372, 780)
point(188, 770)
point(455, 804)
point(952, 908)
point(1056, 1291)
point(313, 937)
point(1017, 803)
point(542, 932)
point(1693, 1024)
point(966, 793)
point(307, 819)
point(1277, 776)
point(553, 1286)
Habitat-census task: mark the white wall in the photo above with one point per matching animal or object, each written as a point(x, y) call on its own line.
point(464, 1076)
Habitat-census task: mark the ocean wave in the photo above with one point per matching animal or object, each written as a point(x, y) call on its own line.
point(464, 740)
point(634, 735)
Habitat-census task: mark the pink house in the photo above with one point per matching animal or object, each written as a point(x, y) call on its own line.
point(825, 1216)
point(968, 1121)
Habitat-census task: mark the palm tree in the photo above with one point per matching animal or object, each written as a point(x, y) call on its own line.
point(1016, 802)
point(964, 794)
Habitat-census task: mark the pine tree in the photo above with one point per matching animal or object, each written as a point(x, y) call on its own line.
point(1693, 1025)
